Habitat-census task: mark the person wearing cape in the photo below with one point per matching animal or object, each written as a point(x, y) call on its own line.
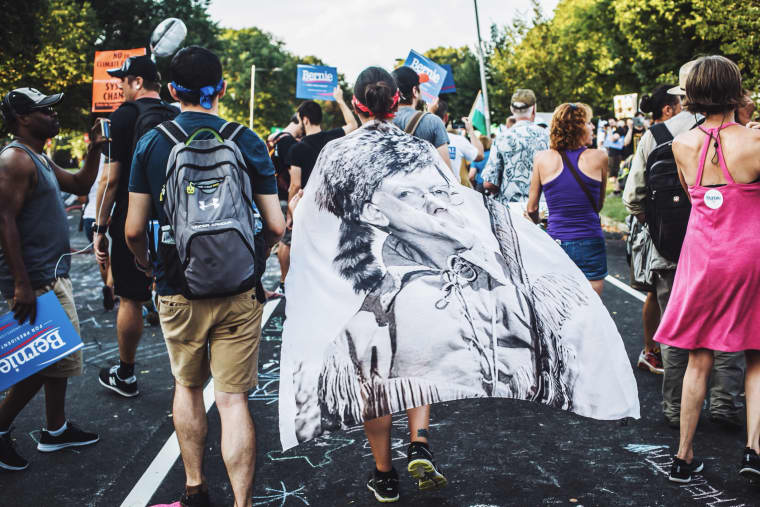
point(427, 293)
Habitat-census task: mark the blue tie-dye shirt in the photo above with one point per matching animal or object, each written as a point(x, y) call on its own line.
point(511, 161)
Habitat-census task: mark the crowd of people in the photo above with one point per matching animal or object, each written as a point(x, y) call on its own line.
point(692, 252)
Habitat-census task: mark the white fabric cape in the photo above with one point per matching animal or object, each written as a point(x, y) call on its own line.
point(406, 288)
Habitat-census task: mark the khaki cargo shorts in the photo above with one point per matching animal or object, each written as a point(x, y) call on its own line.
point(218, 336)
point(71, 365)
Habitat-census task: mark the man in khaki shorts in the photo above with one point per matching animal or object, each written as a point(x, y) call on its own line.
point(34, 258)
point(218, 335)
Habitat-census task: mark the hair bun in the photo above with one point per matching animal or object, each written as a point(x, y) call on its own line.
point(378, 97)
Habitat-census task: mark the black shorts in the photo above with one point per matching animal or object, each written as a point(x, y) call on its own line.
point(128, 281)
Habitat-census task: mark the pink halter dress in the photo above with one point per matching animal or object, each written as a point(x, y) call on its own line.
point(714, 303)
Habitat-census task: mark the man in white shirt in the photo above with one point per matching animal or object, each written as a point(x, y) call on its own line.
point(459, 146)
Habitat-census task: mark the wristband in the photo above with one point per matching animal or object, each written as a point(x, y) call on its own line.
point(142, 268)
point(99, 229)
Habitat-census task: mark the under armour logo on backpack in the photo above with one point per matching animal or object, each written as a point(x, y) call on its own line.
point(213, 203)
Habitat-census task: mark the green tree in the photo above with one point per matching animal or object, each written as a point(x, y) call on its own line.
point(735, 27)
point(275, 83)
point(275, 87)
point(574, 56)
point(51, 44)
point(53, 56)
point(466, 70)
point(663, 36)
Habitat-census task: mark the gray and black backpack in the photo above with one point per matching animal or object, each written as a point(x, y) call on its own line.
point(207, 232)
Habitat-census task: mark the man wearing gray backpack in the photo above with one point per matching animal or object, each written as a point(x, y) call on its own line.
point(200, 176)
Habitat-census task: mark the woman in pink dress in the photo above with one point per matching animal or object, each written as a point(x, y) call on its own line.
point(714, 303)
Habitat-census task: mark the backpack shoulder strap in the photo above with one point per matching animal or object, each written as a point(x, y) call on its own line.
point(574, 172)
point(661, 133)
point(231, 130)
point(173, 132)
point(411, 127)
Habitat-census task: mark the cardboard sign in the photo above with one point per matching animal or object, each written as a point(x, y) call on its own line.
point(436, 75)
point(626, 106)
point(106, 95)
point(316, 82)
point(28, 348)
point(448, 83)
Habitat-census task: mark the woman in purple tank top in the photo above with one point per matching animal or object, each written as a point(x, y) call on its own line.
point(572, 176)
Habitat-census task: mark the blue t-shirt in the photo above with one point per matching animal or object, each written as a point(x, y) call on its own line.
point(479, 166)
point(148, 173)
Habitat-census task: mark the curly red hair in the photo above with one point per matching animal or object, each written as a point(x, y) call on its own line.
point(568, 126)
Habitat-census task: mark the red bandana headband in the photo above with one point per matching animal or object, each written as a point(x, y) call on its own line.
point(364, 109)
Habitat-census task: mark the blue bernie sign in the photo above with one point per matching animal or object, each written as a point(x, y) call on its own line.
point(28, 348)
point(316, 82)
point(435, 75)
point(448, 84)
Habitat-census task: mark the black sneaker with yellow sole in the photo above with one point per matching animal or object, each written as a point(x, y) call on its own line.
point(421, 466)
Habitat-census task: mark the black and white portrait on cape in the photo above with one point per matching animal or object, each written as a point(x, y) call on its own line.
point(407, 288)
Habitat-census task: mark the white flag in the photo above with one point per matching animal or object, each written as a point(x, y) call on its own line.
point(406, 288)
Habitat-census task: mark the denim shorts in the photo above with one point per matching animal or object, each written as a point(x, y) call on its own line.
point(589, 254)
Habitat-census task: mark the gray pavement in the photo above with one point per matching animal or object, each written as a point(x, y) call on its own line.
point(495, 452)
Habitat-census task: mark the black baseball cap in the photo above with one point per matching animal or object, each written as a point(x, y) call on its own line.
point(139, 66)
point(406, 78)
point(26, 100)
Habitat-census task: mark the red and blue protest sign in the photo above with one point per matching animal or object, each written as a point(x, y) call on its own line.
point(316, 82)
point(28, 348)
point(448, 84)
point(436, 75)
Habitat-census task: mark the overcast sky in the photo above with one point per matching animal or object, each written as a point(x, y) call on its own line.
point(354, 34)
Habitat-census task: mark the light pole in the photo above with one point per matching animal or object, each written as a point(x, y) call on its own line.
point(486, 110)
point(253, 89)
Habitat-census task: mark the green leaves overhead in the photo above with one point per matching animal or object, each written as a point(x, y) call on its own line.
point(590, 50)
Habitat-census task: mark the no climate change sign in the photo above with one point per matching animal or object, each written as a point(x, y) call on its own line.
point(106, 95)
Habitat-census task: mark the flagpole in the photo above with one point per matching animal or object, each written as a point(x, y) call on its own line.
point(486, 110)
point(251, 104)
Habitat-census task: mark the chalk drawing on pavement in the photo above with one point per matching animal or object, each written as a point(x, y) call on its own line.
point(267, 389)
point(280, 496)
point(317, 454)
point(659, 458)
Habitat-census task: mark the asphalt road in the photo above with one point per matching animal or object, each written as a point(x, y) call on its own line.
point(495, 452)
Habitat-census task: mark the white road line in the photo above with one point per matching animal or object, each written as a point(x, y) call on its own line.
point(164, 460)
point(626, 288)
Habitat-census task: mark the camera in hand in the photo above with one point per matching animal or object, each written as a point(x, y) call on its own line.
point(457, 125)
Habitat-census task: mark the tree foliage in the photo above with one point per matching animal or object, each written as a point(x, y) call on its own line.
point(590, 50)
point(51, 44)
point(735, 27)
point(587, 50)
point(275, 82)
point(464, 64)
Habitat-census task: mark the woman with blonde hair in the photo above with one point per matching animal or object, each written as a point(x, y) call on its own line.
point(572, 177)
point(713, 305)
